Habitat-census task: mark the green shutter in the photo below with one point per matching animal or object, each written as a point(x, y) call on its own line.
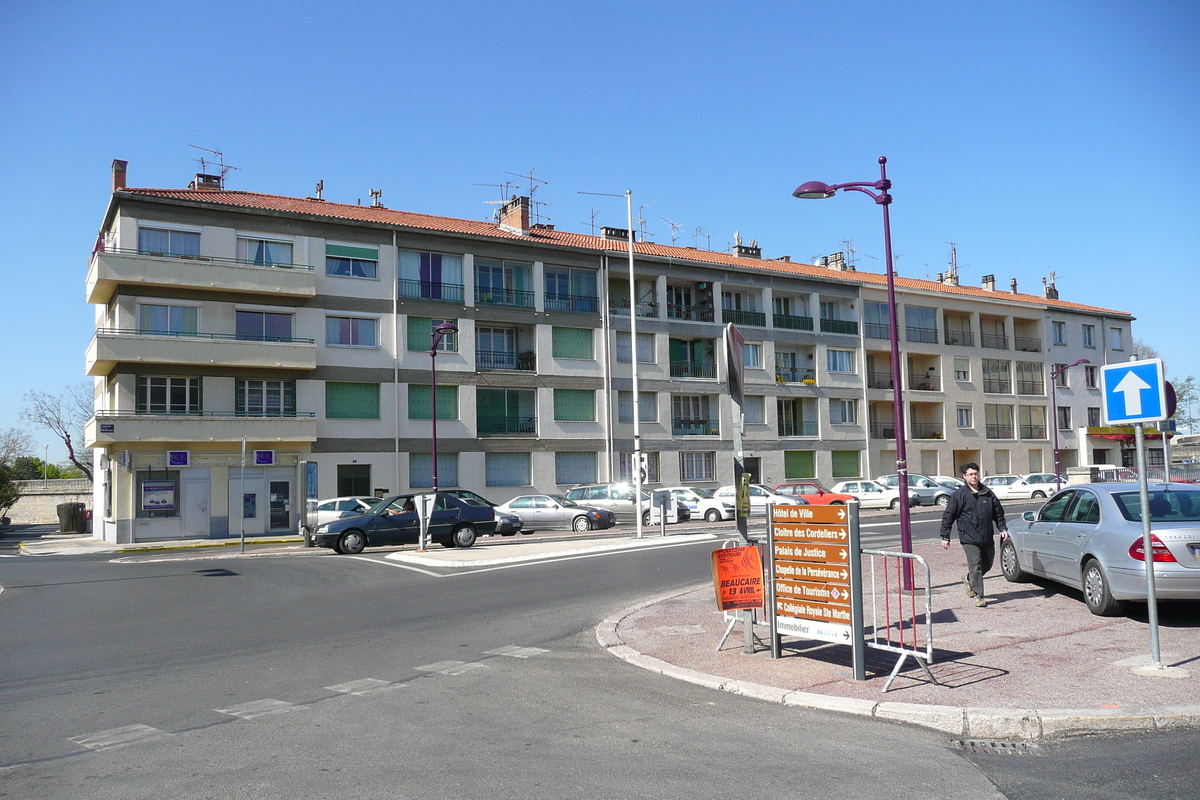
point(343, 251)
point(845, 463)
point(351, 400)
point(418, 402)
point(799, 464)
point(420, 333)
point(573, 343)
point(575, 405)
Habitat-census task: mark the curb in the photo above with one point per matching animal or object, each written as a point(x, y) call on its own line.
point(410, 557)
point(104, 547)
point(968, 722)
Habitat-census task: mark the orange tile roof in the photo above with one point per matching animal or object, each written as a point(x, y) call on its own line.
point(454, 225)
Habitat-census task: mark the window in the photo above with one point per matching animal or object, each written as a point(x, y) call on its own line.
point(690, 407)
point(507, 469)
point(419, 402)
point(264, 326)
point(431, 276)
point(647, 407)
point(966, 417)
point(161, 241)
point(845, 463)
point(1029, 378)
point(420, 470)
point(876, 320)
point(831, 310)
point(999, 421)
point(1089, 335)
point(962, 369)
point(1061, 380)
point(420, 335)
point(698, 466)
point(645, 348)
point(843, 412)
point(920, 324)
point(1064, 418)
point(264, 252)
point(164, 395)
point(571, 289)
point(573, 343)
point(1090, 376)
point(353, 479)
point(263, 398)
point(351, 332)
point(1060, 332)
point(1033, 422)
point(840, 360)
point(752, 355)
point(997, 376)
point(168, 319)
point(1093, 413)
point(754, 409)
point(1115, 340)
point(351, 400)
point(573, 468)
point(502, 283)
point(574, 405)
point(651, 467)
point(799, 464)
point(351, 262)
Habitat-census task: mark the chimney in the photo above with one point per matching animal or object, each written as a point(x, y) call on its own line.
point(1049, 290)
point(118, 174)
point(989, 283)
point(615, 234)
point(783, 258)
point(951, 279)
point(941, 278)
point(837, 261)
point(751, 250)
point(1012, 285)
point(514, 216)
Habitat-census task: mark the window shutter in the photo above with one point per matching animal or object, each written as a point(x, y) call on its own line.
point(572, 468)
point(845, 463)
point(573, 343)
point(507, 469)
point(420, 333)
point(800, 464)
point(575, 405)
point(345, 251)
point(351, 400)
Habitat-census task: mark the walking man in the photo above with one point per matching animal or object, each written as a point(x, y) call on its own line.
point(976, 508)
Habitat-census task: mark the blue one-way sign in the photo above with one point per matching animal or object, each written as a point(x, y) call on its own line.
point(1134, 391)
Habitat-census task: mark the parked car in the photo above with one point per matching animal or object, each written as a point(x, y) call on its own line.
point(949, 481)
point(760, 498)
point(814, 493)
point(1014, 487)
point(1047, 479)
point(924, 491)
point(393, 520)
point(618, 498)
point(338, 507)
point(1089, 537)
point(870, 494)
point(542, 512)
point(701, 503)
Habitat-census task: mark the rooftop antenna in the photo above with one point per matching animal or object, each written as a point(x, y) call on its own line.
point(504, 190)
point(534, 185)
point(221, 165)
point(320, 188)
point(675, 227)
point(696, 236)
point(593, 222)
point(708, 235)
point(376, 194)
point(848, 249)
point(641, 221)
point(952, 268)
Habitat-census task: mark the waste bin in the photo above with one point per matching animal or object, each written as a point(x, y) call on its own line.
point(70, 518)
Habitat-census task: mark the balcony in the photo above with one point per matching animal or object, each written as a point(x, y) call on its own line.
point(926, 430)
point(755, 318)
point(876, 330)
point(504, 297)
point(689, 313)
point(109, 427)
point(1031, 387)
point(959, 338)
point(501, 426)
point(802, 427)
point(695, 427)
point(113, 267)
point(1000, 431)
point(432, 290)
point(792, 322)
point(924, 383)
point(692, 369)
point(1027, 344)
point(1033, 431)
point(621, 308)
point(917, 334)
point(572, 302)
point(112, 346)
point(795, 375)
point(839, 326)
point(879, 380)
point(996, 341)
point(487, 360)
point(997, 385)
point(883, 430)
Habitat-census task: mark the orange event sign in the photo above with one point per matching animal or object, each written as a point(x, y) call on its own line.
point(737, 578)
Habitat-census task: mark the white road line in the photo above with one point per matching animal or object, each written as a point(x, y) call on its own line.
point(517, 652)
point(365, 686)
point(452, 667)
point(118, 737)
point(259, 708)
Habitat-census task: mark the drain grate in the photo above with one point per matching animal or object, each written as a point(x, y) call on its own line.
point(999, 747)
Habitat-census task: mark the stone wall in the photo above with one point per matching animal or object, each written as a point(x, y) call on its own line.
point(39, 500)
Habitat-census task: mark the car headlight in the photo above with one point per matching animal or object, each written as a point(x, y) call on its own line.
point(323, 528)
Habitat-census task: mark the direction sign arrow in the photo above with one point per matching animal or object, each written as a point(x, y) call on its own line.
point(1132, 386)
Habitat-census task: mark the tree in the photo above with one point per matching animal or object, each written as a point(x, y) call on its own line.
point(8, 492)
point(65, 415)
point(31, 468)
point(14, 443)
point(1187, 393)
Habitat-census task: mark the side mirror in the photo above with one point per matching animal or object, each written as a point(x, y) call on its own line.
point(1029, 516)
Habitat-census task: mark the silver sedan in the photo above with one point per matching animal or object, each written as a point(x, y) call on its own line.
point(1089, 537)
point(541, 512)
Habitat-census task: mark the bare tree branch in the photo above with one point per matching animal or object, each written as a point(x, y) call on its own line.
point(64, 415)
point(14, 443)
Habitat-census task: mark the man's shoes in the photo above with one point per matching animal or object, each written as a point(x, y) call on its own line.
point(981, 602)
point(967, 583)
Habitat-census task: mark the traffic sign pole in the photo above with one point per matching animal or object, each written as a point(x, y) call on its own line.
point(859, 651)
point(1147, 548)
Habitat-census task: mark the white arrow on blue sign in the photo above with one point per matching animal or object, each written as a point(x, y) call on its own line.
point(1134, 391)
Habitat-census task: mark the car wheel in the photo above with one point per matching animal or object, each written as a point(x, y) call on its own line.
point(836, 503)
point(1096, 593)
point(895, 503)
point(645, 519)
point(351, 542)
point(712, 515)
point(1010, 565)
point(943, 500)
point(463, 536)
point(581, 524)
point(1038, 496)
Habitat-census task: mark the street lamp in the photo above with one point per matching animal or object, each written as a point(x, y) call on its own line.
point(815, 190)
point(1054, 411)
point(439, 333)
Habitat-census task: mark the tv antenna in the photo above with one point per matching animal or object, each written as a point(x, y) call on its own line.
point(593, 222)
point(220, 163)
point(534, 185)
point(641, 220)
point(675, 228)
point(952, 269)
point(504, 191)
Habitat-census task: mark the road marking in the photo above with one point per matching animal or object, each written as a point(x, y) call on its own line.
point(365, 686)
point(259, 708)
point(517, 652)
point(452, 667)
point(118, 737)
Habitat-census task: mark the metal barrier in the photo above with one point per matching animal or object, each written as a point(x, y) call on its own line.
point(900, 631)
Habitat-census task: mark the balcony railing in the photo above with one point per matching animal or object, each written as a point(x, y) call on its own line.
point(432, 290)
point(924, 382)
point(695, 427)
point(1031, 387)
point(504, 297)
point(240, 262)
point(918, 334)
point(254, 413)
point(689, 313)
point(960, 338)
point(997, 385)
point(496, 426)
point(1033, 431)
point(197, 335)
point(755, 318)
point(996, 341)
point(1028, 344)
point(572, 302)
point(795, 374)
point(692, 369)
point(876, 330)
point(504, 359)
point(621, 308)
point(883, 430)
point(801, 427)
point(926, 430)
point(879, 380)
point(839, 326)
point(999, 431)
point(792, 322)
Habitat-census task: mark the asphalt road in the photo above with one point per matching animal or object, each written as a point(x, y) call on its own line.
point(313, 675)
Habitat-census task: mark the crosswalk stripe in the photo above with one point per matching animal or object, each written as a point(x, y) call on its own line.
point(517, 652)
point(452, 667)
point(259, 708)
point(118, 737)
point(365, 686)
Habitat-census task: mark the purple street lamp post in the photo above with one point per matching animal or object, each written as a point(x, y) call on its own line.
point(1054, 411)
point(815, 190)
point(439, 333)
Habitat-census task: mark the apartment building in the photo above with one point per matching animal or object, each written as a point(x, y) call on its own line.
point(242, 337)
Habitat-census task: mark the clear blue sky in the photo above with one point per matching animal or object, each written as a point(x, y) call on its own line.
point(1039, 136)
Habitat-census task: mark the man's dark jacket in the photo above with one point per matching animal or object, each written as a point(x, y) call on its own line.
point(975, 514)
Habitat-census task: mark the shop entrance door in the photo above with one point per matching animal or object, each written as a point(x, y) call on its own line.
point(281, 504)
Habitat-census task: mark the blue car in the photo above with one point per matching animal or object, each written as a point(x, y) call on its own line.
point(455, 522)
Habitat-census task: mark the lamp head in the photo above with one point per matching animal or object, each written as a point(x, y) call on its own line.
point(814, 190)
point(446, 328)
point(1081, 361)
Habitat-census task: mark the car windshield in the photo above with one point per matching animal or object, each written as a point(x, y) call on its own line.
point(474, 500)
point(1171, 505)
point(705, 493)
point(376, 504)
